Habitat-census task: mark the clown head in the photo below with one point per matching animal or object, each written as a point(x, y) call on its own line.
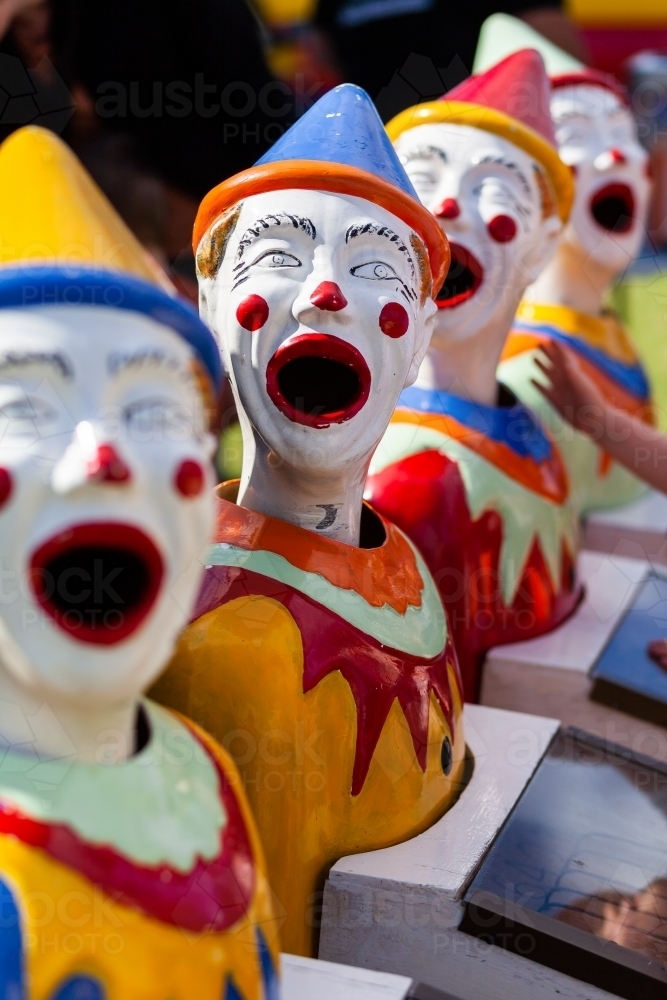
point(597, 139)
point(482, 160)
point(105, 471)
point(316, 270)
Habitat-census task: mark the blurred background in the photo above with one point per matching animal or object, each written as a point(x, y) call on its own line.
point(163, 99)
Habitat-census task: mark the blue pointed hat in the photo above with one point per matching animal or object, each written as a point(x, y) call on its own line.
point(339, 145)
point(343, 127)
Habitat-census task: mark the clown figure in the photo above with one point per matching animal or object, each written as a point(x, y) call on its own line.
point(597, 139)
point(464, 468)
point(316, 269)
point(130, 868)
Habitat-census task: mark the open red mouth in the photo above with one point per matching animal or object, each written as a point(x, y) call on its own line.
point(318, 380)
point(97, 581)
point(463, 278)
point(613, 208)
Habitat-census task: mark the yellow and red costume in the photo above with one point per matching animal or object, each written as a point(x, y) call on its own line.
point(136, 881)
point(605, 351)
point(328, 671)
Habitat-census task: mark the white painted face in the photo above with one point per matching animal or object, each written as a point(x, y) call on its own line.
point(105, 499)
point(319, 312)
point(597, 138)
point(488, 198)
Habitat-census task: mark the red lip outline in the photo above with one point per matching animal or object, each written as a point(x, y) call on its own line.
point(83, 545)
point(318, 346)
point(616, 196)
point(469, 268)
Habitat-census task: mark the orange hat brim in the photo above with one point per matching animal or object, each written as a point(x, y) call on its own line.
point(445, 112)
point(315, 175)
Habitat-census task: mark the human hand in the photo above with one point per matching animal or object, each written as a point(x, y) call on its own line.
point(570, 391)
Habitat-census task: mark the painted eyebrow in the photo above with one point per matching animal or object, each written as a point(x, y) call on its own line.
point(260, 227)
point(21, 359)
point(424, 153)
point(120, 362)
point(372, 229)
point(562, 116)
point(502, 161)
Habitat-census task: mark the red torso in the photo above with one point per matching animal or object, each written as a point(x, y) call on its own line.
point(425, 496)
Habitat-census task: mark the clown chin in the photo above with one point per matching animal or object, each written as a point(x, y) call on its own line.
point(463, 279)
point(97, 582)
point(318, 380)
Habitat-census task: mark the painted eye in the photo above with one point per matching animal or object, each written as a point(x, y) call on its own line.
point(24, 415)
point(277, 258)
point(422, 179)
point(375, 271)
point(157, 419)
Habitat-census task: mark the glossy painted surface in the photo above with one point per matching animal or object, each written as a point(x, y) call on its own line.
point(606, 353)
point(137, 928)
point(318, 386)
point(53, 212)
point(488, 102)
point(339, 145)
point(126, 824)
point(498, 535)
point(339, 735)
point(597, 138)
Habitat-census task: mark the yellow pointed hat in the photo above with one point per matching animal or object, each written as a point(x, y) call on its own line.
point(52, 210)
point(62, 242)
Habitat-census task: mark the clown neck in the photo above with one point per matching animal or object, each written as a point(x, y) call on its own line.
point(573, 279)
point(466, 365)
point(326, 502)
point(50, 727)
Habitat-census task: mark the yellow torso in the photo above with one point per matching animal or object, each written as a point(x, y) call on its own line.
point(239, 672)
point(71, 928)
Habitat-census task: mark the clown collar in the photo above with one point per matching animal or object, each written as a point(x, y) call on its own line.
point(510, 423)
point(384, 589)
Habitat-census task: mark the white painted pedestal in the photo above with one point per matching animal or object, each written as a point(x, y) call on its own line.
point(313, 979)
point(398, 909)
point(308, 979)
point(551, 674)
point(638, 529)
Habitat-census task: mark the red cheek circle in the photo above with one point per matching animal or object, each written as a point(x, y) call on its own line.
point(189, 479)
point(394, 320)
point(502, 229)
point(253, 313)
point(6, 487)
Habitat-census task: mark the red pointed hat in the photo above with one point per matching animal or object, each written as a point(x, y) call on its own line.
point(586, 77)
point(511, 99)
point(518, 86)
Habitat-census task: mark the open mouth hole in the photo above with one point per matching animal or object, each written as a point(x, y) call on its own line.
point(463, 278)
point(318, 380)
point(613, 208)
point(97, 582)
point(319, 385)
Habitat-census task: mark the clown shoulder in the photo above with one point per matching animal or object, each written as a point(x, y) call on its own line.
point(468, 471)
point(130, 866)
point(319, 653)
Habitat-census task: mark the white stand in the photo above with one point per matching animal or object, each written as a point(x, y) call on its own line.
point(551, 674)
point(399, 909)
point(308, 979)
point(638, 529)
